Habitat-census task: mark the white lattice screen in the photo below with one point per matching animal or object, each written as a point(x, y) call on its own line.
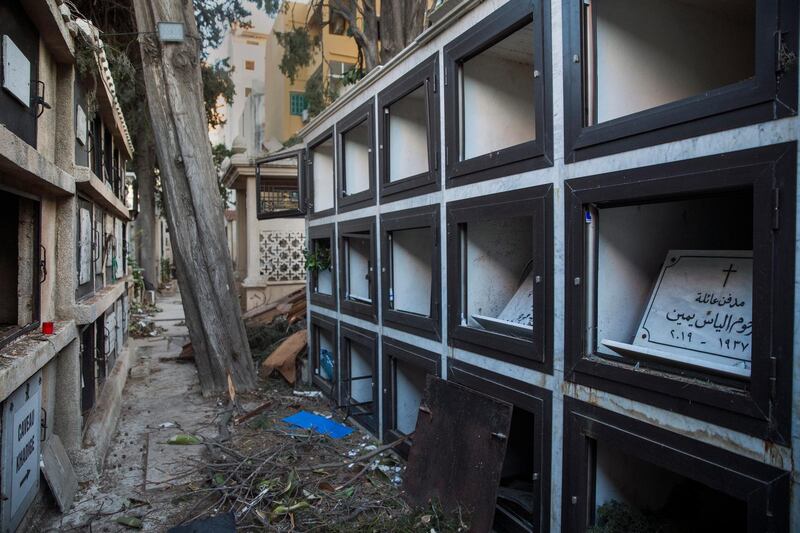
point(281, 255)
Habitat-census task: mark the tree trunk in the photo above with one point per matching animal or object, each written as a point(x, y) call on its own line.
point(144, 162)
point(193, 205)
point(401, 22)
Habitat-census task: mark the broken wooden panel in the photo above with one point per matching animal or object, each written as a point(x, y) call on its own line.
point(58, 472)
point(457, 455)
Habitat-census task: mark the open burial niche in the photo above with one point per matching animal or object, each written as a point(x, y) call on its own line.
point(641, 55)
point(407, 129)
point(405, 370)
point(684, 270)
point(497, 94)
point(359, 378)
point(322, 175)
point(357, 258)
point(356, 157)
point(624, 475)
point(323, 352)
point(410, 276)
point(497, 285)
point(320, 262)
point(19, 265)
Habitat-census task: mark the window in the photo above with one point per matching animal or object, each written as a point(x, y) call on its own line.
point(279, 183)
point(322, 265)
point(324, 354)
point(523, 494)
point(248, 91)
point(322, 181)
point(405, 371)
point(637, 75)
point(337, 73)
point(20, 269)
point(686, 247)
point(356, 158)
point(497, 116)
point(359, 381)
point(613, 463)
point(249, 65)
point(411, 274)
point(500, 268)
point(297, 104)
point(409, 133)
point(358, 287)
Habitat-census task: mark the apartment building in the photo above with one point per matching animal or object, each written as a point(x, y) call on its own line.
point(587, 211)
point(63, 273)
point(270, 238)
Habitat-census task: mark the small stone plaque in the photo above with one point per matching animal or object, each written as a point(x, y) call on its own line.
point(80, 125)
point(16, 72)
point(85, 274)
point(700, 312)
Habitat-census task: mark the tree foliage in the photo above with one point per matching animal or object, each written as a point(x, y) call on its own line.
point(299, 48)
point(400, 23)
point(217, 83)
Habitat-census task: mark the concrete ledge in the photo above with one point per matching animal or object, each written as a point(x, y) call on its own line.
point(47, 18)
point(22, 167)
point(102, 422)
point(94, 188)
point(89, 309)
point(22, 358)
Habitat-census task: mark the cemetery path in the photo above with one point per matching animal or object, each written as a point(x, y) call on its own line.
point(143, 475)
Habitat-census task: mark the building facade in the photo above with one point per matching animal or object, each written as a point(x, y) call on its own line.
point(587, 210)
point(63, 279)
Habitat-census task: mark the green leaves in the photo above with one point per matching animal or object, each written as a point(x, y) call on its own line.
point(298, 50)
point(182, 439)
point(129, 521)
point(318, 260)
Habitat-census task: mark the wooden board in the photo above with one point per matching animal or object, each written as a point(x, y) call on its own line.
point(458, 451)
point(58, 472)
point(284, 357)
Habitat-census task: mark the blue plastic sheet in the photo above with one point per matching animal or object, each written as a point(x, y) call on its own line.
point(320, 424)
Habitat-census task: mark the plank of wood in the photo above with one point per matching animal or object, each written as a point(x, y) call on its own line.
point(284, 356)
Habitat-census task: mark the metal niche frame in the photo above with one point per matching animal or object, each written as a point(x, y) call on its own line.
point(262, 182)
point(321, 322)
point(535, 203)
point(365, 413)
point(758, 99)
point(314, 235)
point(426, 217)
point(363, 228)
point(425, 76)
point(393, 352)
point(527, 397)
point(763, 488)
point(364, 114)
point(526, 156)
point(321, 139)
point(761, 408)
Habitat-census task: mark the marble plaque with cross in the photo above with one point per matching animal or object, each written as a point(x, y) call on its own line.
point(700, 313)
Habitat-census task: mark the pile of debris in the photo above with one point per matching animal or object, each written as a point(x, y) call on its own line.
point(289, 464)
point(142, 324)
point(277, 335)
